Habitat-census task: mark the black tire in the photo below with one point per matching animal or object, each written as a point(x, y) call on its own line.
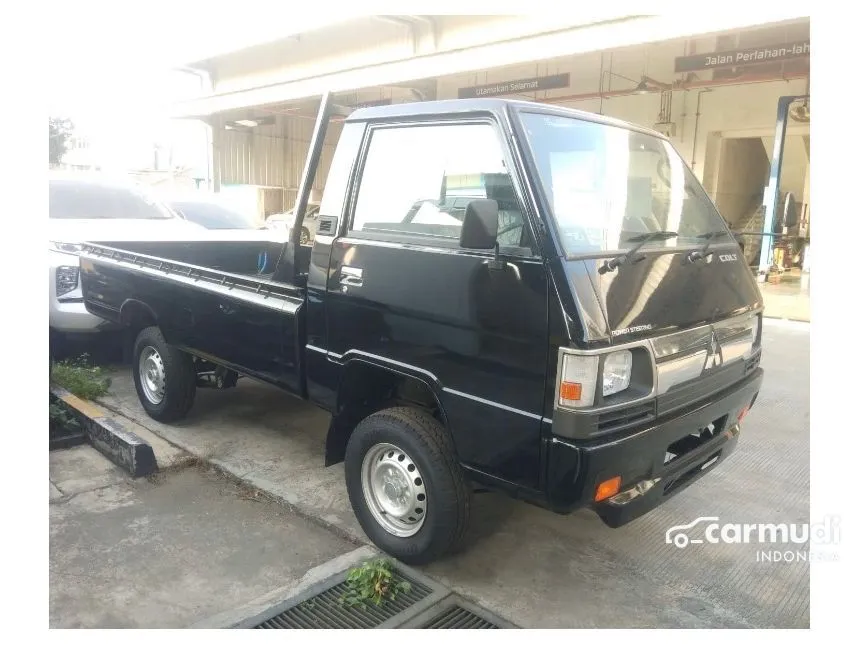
point(180, 377)
point(430, 447)
point(305, 236)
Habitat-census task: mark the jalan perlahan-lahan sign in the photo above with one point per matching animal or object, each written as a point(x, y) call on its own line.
point(736, 57)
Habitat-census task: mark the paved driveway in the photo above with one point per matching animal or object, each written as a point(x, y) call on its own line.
point(538, 569)
point(166, 551)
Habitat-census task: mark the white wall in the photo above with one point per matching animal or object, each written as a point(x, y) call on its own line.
point(276, 155)
point(367, 51)
point(738, 110)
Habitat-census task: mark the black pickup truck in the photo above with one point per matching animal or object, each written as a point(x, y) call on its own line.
point(583, 333)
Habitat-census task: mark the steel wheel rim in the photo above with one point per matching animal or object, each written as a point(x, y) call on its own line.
point(394, 490)
point(151, 371)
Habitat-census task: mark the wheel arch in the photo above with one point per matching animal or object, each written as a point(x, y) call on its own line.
point(137, 315)
point(366, 387)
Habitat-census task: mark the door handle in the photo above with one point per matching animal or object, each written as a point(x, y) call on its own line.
point(351, 276)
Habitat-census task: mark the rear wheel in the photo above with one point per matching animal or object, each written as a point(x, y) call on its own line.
point(164, 377)
point(405, 484)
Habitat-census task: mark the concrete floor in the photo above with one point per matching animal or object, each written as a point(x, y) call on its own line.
point(788, 298)
point(166, 552)
point(538, 569)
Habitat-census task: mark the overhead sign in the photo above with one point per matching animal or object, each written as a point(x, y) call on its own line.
point(515, 87)
point(751, 56)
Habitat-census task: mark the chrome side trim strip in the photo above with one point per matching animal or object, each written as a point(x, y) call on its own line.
point(276, 302)
point(403, 366)
point(433, 379)
point(507, 408)
point(327, 353)
point(111, 253)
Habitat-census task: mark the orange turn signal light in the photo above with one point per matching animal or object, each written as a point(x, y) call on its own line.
point(570, 391)
point(607, 489)
point(743, 413)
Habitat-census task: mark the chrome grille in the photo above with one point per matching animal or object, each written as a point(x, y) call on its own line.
point(693, 354)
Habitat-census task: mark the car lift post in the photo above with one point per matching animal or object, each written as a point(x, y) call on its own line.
point(771, 194)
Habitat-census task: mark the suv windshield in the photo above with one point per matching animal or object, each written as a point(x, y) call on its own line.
point(606, 184)
point(70, 199)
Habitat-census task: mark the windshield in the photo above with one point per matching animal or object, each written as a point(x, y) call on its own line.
point(606, 184)
point(69, 199)
point(211, 215)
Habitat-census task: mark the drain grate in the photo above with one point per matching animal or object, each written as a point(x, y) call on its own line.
point(427, 605)
point(455, 612)
point(325, 611)
point(459, 618)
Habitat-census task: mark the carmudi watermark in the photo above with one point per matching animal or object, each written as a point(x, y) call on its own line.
point(781, 542)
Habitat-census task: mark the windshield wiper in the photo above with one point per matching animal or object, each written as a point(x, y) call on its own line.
point(641, 240)
point(701, 254)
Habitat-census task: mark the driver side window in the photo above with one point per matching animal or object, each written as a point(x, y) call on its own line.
point(418, 179)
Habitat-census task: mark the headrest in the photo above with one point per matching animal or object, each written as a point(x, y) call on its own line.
point(500, 188)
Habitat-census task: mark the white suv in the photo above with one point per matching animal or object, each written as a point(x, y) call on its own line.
point(92, 208)
point(284, 221)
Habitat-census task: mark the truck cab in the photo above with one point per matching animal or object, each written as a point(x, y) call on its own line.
point(581, 332)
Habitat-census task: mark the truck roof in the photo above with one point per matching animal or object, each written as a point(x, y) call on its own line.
point(494, 105)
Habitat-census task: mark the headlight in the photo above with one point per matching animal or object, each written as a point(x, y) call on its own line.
point(617, 368)
point(66, 279)
point(67, 247)
point(578, 380)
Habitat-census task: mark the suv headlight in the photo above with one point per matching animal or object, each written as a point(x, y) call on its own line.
point(67, 247)
point(66, 280)
point(617, 368)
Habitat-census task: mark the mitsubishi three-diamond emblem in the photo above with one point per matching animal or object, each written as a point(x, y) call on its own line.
point(715, 353)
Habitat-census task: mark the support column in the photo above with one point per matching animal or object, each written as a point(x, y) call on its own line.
point(771, 193)
point(215, 144)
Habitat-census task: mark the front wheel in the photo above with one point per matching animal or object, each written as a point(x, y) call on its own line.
point(406, 486)
point(164, 376)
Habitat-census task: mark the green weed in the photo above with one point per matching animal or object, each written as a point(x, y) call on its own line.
point(80, 377)
point(372, 582)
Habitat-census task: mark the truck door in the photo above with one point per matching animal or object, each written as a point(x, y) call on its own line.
point(401, 291)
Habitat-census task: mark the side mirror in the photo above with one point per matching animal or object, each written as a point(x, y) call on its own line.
point(789, 214)
point(480, 224)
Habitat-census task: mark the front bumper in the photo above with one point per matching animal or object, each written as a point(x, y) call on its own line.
point(576, 468)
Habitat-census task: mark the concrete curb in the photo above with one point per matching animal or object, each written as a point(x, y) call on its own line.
point(105, 432)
